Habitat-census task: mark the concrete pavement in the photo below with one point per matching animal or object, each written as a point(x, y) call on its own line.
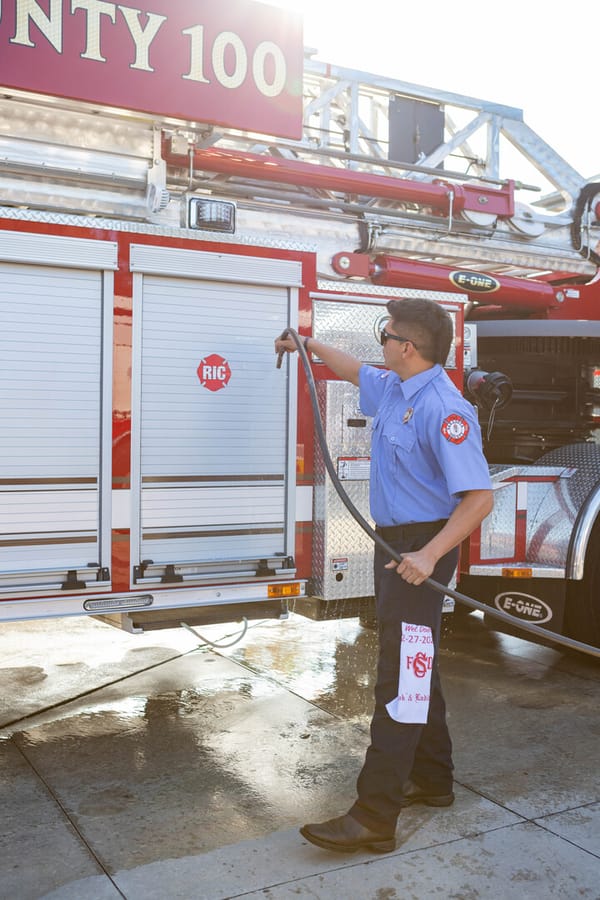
point(144, 766)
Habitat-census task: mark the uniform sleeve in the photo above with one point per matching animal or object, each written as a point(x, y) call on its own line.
point(456, 439)
point(372, 383)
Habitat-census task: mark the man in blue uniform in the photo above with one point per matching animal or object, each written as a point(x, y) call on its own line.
point(430, 488)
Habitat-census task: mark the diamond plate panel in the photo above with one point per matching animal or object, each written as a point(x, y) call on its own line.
point(342, 552)
point(258, 238)
point(546, 499)
point(351, 327)
point(382, 290)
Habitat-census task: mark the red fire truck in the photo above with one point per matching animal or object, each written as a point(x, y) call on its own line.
point(180, 183)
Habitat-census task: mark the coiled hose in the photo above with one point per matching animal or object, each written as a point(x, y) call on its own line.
point(583, 207)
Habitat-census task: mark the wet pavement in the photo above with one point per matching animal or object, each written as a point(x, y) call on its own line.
point(150, 766)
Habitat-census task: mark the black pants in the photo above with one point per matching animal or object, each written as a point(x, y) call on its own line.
point(399, 751)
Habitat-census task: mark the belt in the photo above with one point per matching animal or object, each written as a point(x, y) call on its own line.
point(397, 532)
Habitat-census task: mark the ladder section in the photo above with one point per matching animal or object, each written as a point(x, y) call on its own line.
point(426, 173)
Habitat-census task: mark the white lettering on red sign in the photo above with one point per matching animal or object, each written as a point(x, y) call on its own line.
point(411, 706)
point(214, 372)
point(233, 76)
point(230, 43)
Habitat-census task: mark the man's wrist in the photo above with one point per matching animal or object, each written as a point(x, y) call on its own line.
point(306, 340)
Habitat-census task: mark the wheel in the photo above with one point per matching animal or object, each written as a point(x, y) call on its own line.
point(582, 610)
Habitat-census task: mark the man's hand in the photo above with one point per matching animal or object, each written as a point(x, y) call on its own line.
point(284, 345)
point(416, 566)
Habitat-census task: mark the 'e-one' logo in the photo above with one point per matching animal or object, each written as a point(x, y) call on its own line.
point(524, 606)
point(475, 282)
point(420, 663)
point(214, 372)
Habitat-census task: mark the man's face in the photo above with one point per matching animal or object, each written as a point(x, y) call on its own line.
point(395, 340)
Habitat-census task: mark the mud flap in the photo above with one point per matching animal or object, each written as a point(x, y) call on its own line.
point(540, 601)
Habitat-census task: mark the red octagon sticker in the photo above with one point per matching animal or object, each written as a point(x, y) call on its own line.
point(214, 372)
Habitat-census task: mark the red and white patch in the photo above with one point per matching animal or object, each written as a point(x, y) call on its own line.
point(455, 429)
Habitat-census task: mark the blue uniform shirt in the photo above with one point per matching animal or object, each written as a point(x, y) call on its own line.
point(426, 445)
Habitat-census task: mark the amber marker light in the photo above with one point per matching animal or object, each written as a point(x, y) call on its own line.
point(284, 590)
point(517, 573)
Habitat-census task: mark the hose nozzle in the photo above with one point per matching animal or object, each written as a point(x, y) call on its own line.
point(281, 337)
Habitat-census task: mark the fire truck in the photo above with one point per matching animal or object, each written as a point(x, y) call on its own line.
point(181, 183)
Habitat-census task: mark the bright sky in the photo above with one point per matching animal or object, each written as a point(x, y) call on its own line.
point(537, 55)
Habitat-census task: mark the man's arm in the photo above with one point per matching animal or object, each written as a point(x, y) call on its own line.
point(342, 364)
point(470, 512)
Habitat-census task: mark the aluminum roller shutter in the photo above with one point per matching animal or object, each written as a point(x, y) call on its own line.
point(50, 408)
point(213, 462)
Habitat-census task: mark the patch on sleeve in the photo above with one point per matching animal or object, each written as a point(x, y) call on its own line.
point(455, 429)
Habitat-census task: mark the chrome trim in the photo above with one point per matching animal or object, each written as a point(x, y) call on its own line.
point(580, 536)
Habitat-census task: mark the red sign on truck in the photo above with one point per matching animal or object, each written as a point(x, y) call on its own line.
point(234, 63)
point(214, 372)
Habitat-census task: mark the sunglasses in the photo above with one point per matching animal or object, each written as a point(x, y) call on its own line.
point(385, 336)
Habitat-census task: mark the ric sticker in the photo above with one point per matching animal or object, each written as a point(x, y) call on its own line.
point(411, 706)
point(455, 429)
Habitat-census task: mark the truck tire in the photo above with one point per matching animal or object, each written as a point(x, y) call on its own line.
point(582, 611)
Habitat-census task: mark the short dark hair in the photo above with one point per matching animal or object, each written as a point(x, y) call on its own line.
point(430, 324)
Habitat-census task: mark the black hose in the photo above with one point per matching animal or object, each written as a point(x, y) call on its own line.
point(354, 512)
point(584, 202)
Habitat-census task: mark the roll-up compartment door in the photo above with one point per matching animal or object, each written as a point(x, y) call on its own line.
point(213, 432)
point(51, 340)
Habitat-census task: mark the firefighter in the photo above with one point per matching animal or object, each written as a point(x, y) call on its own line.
point(429, 489)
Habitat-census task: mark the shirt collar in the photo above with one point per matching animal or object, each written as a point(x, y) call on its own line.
point(412, 385)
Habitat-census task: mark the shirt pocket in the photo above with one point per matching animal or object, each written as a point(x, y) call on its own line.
point(399, 438)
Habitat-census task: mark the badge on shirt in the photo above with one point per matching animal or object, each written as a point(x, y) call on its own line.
point(407, 415)
point(455, 429)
